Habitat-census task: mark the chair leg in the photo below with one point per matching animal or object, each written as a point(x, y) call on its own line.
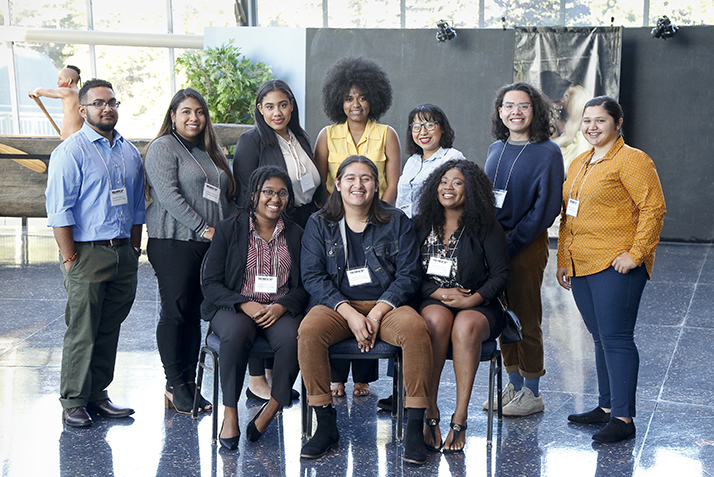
point(306, 412)
point(199, 382)
point(398, 397)
point(491, 379)
point(216, 385)
point(499, 379)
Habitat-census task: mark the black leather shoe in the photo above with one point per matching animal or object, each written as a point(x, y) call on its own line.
point(229, 443)
point(386, 404)
point(251, 431)
point(251, 395)
point(596, 416)
point(77, 417)
point(616, 430)
point(105, 408)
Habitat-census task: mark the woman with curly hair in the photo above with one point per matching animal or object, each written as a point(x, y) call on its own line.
point(355, 94)
point(464, 261)
point(192, 189)
point(251, 280)
point(526, 169)
point(429, 141)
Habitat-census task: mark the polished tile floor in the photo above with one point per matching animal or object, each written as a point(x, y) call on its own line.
point(675, 422)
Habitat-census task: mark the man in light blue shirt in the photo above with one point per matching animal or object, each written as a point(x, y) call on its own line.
point(95, 205)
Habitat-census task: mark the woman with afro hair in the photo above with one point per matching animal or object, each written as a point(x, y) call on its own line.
point(355, 94)
point(464, 260)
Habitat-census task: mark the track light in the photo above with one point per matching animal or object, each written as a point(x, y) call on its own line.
point(445, 31)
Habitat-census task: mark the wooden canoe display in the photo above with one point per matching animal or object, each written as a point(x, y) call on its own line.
point(24, 160)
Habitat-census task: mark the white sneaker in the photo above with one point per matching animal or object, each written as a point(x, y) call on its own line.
point(524, 403)
point(506, 396)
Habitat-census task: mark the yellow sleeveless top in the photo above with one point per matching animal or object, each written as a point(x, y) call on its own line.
point(372, 144)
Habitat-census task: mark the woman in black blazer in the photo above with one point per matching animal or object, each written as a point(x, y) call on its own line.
point(251, 284)
point(278, 140)
point(464, 260)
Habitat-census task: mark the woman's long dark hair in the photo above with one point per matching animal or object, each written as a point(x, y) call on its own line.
point(208, 135)
point(479, 207)
point(256, 182)
point(267, 134)
point(334, 209)
point(542, 125)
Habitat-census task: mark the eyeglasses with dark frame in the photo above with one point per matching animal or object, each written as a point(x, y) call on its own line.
point(429, 125)
point(270, 193)
point(101, 104)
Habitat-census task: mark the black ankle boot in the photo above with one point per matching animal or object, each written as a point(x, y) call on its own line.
point(326, 436)
point(414, 448)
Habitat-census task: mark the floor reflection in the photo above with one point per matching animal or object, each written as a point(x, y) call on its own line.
point(675, 422)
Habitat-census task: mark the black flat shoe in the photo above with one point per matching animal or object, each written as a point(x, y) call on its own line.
point(229, 443)
point(251, 395)
point(252, 432)
point(294, 395)
point(458, 429)
point(386, 404)
point(616, 430)
point(596, 416)
point(433, 423)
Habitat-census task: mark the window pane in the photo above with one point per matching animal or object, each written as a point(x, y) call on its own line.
point(68, 14)
point(683, 12)
point(364, 14)
point(522, 13)
point(140, 77)
point(626, 13)
point(425, 14)
point(135, 16)
point(295, 13)
point(190, 16)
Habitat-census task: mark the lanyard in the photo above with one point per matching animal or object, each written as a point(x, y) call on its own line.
point(199, 165)
point(343, 232)
point(347, 149)
point(570, 194)
point(508, 179)
point(121, 151)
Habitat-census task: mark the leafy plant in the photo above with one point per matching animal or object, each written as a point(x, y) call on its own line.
point(228, 80)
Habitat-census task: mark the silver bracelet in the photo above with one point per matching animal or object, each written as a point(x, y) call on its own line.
point(373, 319)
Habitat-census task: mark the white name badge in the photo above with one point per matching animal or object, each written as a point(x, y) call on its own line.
point(440, 267)
point(118, 197)
point(358, 276)
point(265, 284)
point(306, 182)
point(212, 193)
point(500, 196)
point(572, 209)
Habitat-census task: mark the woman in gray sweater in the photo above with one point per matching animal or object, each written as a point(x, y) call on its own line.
point(192, 189)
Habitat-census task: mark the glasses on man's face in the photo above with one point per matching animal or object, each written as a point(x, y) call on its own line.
point(270, 193)
point(522, 107)
point(429, 125)
point(101, 104)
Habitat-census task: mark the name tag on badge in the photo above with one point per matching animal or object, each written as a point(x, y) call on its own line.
point(265, 284)
point(306, 182)
point(212, 193)
point(500, 196)
point(358, 276)
point(440, 267)
point(118, 197)
point(572, 209)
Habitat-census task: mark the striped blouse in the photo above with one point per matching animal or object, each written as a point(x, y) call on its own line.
point(267, 258)
point(621, 210)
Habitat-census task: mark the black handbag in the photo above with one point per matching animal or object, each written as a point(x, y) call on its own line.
point(512, 325)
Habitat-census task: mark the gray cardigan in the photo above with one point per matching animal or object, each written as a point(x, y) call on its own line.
point(178, 210)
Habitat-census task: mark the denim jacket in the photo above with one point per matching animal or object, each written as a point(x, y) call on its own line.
point(391, 250)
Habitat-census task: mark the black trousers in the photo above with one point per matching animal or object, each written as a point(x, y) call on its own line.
point(237, 332)
point(177, 265)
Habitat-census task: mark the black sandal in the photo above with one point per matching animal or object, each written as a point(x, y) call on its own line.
point(433, 423)
point(457, 428)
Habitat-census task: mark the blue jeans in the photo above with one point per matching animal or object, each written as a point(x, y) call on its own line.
point(608, 302)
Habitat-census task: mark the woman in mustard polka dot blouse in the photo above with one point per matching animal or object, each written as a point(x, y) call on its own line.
point(613, 211)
